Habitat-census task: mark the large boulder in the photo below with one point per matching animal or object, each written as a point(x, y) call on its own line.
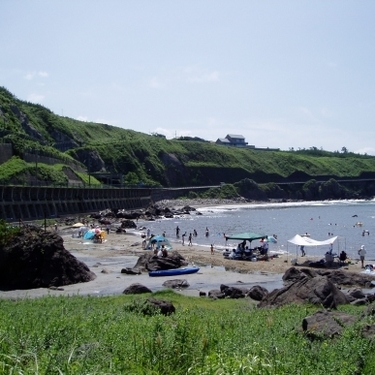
point(338, 277)
point(257, 293)
point(34, 258)
point(164, 307)
point(131, 271)
point(318, 290)
point(136, 288)
point(233, 292)
point(176, 283)
point(151, 262)
point(216, 294)
point(326, 324)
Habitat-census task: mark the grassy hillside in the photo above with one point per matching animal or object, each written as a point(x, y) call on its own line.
point(41, 139)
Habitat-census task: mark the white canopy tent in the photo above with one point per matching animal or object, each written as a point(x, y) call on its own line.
point(307, 241)
point(299, 240)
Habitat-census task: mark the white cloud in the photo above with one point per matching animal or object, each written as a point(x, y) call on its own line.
point(326, 112)
point(165, 132)
point(97, 120)
point(195, 74)
point(31, 75)
point(365, 150)
point(105, 121)
point(35, 98)
point(306, 112)
point(331, 64)
point(82, 118)
point(156, 83)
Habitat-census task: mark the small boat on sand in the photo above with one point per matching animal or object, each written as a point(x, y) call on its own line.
point(174, 271)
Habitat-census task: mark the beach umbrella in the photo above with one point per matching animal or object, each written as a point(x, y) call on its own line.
point(78, 225)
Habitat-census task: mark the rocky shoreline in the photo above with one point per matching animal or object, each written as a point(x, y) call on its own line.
point(108, 258)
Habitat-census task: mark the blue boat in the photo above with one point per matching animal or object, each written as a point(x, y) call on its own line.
point(174, 271)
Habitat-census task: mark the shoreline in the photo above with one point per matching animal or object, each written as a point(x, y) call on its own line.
point(122, 251)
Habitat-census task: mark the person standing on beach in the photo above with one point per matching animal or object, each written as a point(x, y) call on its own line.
point(362, 253)
point(302, 248)
point(331, 248)
point(190, 240)
point(212, 249)
point(183, 239)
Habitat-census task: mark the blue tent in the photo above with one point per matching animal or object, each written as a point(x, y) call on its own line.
point(89, 235)
point(157, 241)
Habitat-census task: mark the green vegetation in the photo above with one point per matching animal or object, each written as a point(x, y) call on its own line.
point(38, 136)
point(6, 232)
point(106, 335)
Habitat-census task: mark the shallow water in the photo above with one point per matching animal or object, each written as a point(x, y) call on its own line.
point(321, 220)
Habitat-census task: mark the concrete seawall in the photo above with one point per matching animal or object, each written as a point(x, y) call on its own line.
point(30, 203)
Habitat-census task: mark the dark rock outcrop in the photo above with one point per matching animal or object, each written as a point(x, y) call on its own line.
point(151, 262)
point(338, 277)
point(232, 292)
point(131, 271)
point(318, 290)
point(164, 307)
point(176, 283)
point(34, 258)
point(128, 224)
point(257, 293)
point(326, 324)
point(216, 294)
point(136, 288)
point(151, 306)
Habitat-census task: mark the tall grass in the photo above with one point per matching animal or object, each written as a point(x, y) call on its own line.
point(102, 335)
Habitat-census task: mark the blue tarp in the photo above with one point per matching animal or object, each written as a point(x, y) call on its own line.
point(89, 235)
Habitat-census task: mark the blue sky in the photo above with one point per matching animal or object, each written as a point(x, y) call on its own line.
point(286, 73)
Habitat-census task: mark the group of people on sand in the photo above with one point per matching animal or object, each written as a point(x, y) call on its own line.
point(243, 251)
point(343, 257)
point(161, 253)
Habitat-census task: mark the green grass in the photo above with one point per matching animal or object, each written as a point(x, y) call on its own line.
point(100, 335)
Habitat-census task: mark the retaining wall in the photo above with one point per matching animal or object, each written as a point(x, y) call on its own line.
point(31, 203)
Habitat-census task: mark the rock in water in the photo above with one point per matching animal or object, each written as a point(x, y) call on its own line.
point(33, 258)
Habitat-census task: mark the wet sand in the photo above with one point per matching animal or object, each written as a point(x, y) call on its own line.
point(122, 250)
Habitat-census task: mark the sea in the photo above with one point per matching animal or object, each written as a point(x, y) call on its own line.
point(352, 221)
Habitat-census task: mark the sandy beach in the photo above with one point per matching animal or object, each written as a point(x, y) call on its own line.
point(120, 251)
